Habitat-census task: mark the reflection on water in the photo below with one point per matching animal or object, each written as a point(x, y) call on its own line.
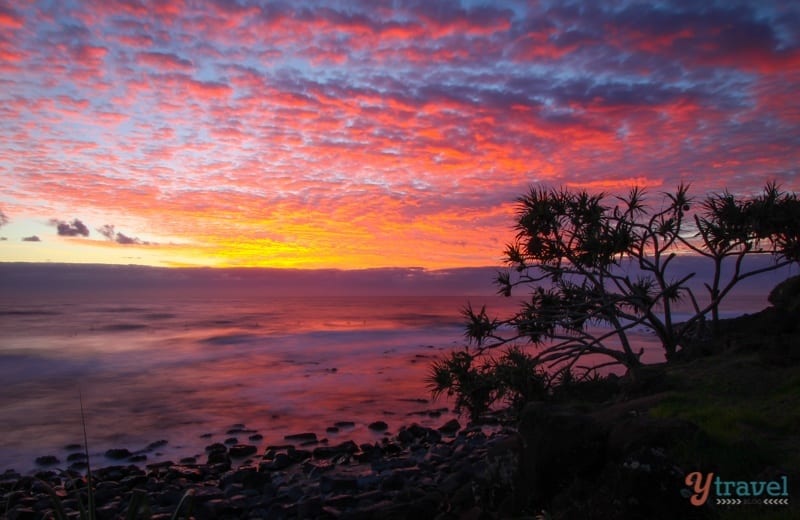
point(160, 366)
point(176, 368)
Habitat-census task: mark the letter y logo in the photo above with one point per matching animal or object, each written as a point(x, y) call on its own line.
point(700, 488)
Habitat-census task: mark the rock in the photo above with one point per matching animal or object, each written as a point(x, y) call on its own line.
point(786, 295)
point(298, 455)
point(279, 447)
point(133, 481)
point(118, 453)
point(115, 473)
point(218, 454)
point(392, 480)
point(309, 507)
point(47, 460)
point(404, 437)
point(327, 452)
point(187, 473)
point(301, 437)
point(157, 444)
point(378, 426)
point(252, 479)
point(450, 427)
point(335, 483)
point(313, 469)
point(343, 501)
point(239, 428)
point(391, 448)
point(242, 450)
point(398, 478)
point(281, 461)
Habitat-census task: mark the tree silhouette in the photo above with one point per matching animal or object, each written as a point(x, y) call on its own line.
point(598, 266)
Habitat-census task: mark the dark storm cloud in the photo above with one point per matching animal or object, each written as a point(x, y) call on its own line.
point(32, 238)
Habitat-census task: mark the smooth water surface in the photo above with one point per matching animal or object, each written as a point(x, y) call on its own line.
point(174, 365)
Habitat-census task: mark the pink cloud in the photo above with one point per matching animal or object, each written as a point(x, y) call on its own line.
point(378, 135)
point(163, 61)
point(10, 18)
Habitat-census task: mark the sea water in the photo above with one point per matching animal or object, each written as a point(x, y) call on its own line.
point(174, 368)
point(185, 366)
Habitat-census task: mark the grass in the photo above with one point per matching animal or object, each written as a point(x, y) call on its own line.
point(749, 411)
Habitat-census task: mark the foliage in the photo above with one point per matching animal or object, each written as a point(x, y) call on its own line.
point(479, 381)
point(598, 266)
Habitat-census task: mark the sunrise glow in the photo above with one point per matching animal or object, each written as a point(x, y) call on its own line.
point(352, 134)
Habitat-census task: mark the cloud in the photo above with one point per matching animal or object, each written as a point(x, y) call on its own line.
point(70, 229)
point(32, 238)
point(10, 18)
point(111, 234)
point(164, 60)
point(124, 239)
point(380, 133)
point(3, 219)
point(107, 231)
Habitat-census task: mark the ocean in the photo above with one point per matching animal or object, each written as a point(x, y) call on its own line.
point(187, 364)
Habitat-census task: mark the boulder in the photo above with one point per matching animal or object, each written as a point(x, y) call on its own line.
point(118, 453)
point(327, 452)
point(378, 426)
point(450, 427)
point(301, 437)
point(242, 450)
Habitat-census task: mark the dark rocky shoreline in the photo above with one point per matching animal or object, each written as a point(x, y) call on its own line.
point(450, 472)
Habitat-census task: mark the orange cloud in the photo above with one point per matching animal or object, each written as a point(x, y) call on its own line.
point(295, 135)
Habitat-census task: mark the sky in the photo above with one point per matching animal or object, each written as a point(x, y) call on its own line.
point(369, 133)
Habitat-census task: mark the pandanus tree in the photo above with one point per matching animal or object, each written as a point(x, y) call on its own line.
point(597, 266)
